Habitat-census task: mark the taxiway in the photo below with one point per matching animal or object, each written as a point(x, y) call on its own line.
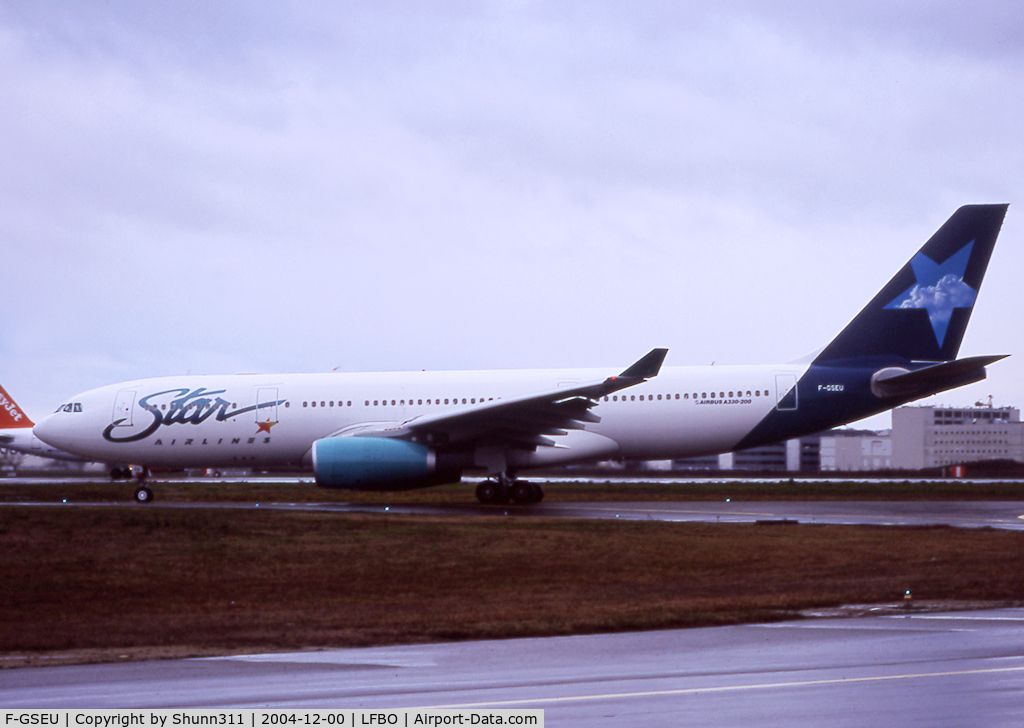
point(959, 514)
point(888, 670)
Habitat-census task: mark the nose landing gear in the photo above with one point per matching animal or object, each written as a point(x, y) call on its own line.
point(142, 494)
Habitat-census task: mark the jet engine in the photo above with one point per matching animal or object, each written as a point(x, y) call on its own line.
point(377, 463)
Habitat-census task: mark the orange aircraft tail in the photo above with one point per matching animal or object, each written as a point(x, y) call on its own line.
point(11, 415)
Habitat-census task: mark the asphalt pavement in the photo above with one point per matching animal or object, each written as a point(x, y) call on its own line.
point(921, 669)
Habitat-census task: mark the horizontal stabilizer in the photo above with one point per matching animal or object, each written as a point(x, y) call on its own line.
point(898, 382)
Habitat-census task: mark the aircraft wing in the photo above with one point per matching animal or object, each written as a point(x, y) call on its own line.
point(521, 422)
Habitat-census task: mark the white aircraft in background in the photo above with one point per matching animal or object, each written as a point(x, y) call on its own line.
point(16, 433)
point(400, 430)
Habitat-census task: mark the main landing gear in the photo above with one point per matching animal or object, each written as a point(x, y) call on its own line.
point(505, 489)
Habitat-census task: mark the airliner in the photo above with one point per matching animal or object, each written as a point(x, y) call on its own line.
point(401, 430)
point(16, 433)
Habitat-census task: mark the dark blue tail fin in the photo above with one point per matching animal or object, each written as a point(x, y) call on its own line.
point(922, 313)
point(903, 345)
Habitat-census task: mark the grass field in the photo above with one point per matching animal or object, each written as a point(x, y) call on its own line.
point(102, 583)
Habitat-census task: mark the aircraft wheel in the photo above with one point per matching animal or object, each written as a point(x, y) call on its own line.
point(522, 493)
point(526, 493)
point(488, 492)
point(143, 495)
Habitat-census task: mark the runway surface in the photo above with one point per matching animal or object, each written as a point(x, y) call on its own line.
point(971, 514)
point(940, 669)
point(961, 514)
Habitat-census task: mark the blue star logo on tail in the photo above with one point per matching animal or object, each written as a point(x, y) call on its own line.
point(939, 289)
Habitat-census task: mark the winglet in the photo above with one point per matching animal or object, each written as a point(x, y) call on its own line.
point(648, 366)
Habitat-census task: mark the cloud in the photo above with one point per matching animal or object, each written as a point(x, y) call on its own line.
point(250, 186)
point(940, 299)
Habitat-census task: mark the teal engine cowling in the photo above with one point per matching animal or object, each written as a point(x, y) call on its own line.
point(377, 463)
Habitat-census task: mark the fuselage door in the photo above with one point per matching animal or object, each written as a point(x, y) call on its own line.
point(785, 391)
point(266, 405)
point(124, 405)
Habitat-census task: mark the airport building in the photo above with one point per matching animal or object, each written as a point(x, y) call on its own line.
point(921, 437)
point(855, 450)
point(927, 437)
point(793, 455)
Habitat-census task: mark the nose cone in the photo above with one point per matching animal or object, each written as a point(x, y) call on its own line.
point(53, 430)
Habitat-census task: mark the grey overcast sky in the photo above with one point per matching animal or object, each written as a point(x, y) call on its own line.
point(299, 186)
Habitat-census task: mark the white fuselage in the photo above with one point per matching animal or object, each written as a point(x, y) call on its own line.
point(273, 420)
